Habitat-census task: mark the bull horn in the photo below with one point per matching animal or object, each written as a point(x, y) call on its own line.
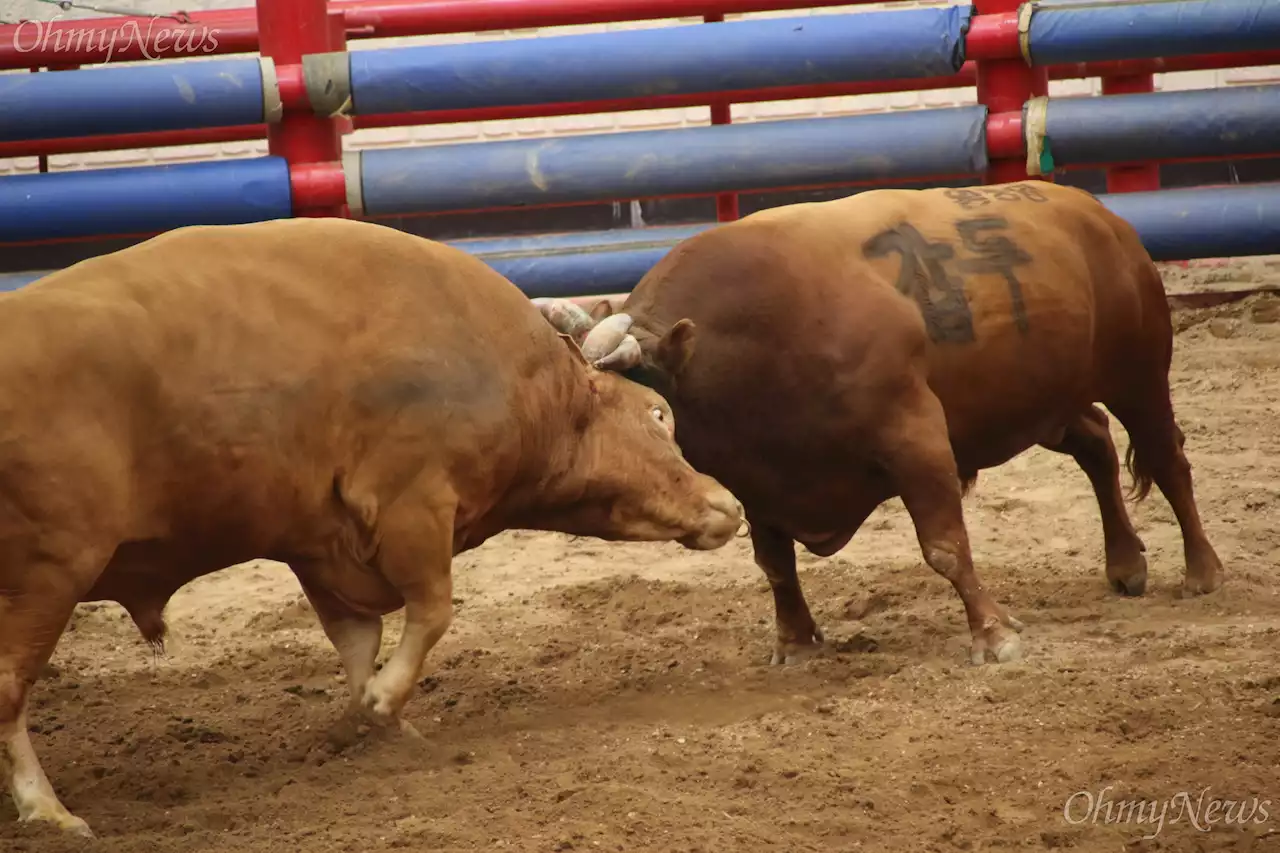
point(565, 317)
point(606, 336)
point(624, 356)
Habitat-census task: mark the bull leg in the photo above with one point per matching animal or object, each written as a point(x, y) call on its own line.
point(1088, 441)
point(798, 635)
point(916, 453)
point(32, 620)
point(416, 556)
point(32, 794)
point(1157, 446)
point(356, 636)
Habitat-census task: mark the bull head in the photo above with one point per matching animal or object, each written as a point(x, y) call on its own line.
point(607, 345)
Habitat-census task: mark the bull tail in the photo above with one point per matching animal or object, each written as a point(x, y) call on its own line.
point(1139, 472)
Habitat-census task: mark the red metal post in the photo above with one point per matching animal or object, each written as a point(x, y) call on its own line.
point(1004, 136)
point(1005, 84)
point(1128, 179)
point(288, 30)
point(722, 113)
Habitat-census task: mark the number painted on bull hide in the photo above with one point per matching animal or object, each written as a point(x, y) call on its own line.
point(924, 277)
point(995, 253)
point(927, 272)
point(971, 197)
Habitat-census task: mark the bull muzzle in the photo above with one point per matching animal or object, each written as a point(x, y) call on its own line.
point(719, 525)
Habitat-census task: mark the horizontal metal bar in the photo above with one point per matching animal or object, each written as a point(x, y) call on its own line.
point(414, 17)
point(221, 31)
point(132, 99)
point(143, 199)
point(1206, 222)
point(1221, 123)
point(702, 160)
point(1235, 221)
point(664, 61)
point(964, 78)
point(1092, 32)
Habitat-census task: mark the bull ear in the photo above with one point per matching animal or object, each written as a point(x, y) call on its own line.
point(575, 349)
point(676, 347)
point(600, 310)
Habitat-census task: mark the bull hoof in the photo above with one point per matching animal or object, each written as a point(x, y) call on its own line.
point(787, 652)
point(408, 730)
point(374, 720)
point(1204, 571)
point(997, 641)
point(1201, 584)
point(1130, 580)
point(382, 704)
point(1133, 587)
point(362, 723)
point(62, 820)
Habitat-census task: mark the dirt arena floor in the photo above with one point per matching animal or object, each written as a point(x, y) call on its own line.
point(618, 698)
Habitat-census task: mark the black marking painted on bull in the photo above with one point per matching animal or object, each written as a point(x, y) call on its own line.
point(995, 253)
point(924, 277)
point(968, 199)
point(972, 197)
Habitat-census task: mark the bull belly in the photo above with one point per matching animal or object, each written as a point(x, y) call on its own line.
point(150, 571)
point(1000, 443)
point(361, 588)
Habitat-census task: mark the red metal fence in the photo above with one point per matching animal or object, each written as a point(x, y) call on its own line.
point(285, 30)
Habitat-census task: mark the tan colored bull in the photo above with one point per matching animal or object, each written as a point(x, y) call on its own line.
point(822, 358)
point(354, 401)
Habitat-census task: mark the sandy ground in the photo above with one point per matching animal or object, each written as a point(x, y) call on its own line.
point(597, 697)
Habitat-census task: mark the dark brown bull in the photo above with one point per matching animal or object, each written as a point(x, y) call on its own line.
point(356, 402)
point(823, 358)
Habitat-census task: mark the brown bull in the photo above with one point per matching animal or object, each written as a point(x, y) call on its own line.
point(356, 402)
point(823, 358)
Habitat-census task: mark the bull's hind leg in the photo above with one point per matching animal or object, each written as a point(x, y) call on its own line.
point(915, 451)
point(356, 636)
point(1156, 455)
point(36, 602)
point(1088, 441)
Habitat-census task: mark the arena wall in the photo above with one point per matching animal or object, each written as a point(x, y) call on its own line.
point(652, 212)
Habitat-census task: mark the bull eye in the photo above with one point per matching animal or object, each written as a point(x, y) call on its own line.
point(661, 417)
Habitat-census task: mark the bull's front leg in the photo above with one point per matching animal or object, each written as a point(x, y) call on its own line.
point(916, 451)
point(798, 635)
